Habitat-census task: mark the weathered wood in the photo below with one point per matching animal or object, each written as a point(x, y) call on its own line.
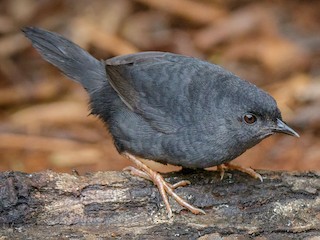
point(49, 205)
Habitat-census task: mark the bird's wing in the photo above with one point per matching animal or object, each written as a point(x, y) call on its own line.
point(154, 85)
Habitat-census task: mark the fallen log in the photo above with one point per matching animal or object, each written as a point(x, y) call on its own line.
point(103, 205)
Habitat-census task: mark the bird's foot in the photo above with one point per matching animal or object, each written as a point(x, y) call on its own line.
point(164, 188)
point(230, 166)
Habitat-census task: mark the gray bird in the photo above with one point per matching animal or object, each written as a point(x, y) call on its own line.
point(168, 108)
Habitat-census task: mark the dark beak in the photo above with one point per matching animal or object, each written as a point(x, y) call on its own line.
point(284, 128)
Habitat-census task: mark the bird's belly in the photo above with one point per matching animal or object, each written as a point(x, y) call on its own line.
point(185, 148)
point(200, 149)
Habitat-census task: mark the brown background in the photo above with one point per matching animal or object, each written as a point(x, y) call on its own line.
point(43, 116)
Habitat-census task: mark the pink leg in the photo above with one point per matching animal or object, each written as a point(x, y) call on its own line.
point(231, 166)
point(164, 188)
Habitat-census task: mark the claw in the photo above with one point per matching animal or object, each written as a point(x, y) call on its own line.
point(221, 170)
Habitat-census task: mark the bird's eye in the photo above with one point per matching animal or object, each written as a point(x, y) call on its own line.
point(250, 118)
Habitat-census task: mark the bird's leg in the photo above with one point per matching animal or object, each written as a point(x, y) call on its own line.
point(136, 172)
point(231, 166)
point(164, 188)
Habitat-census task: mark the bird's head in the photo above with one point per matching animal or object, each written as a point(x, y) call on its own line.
point(254, 115)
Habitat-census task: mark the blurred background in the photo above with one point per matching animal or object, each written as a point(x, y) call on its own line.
point(44, 122)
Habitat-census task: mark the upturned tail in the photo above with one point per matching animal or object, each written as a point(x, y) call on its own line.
point(71, 59)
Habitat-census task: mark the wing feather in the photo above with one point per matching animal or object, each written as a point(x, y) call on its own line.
point(148, 85)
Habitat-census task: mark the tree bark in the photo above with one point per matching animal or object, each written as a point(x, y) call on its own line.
point(105, 205)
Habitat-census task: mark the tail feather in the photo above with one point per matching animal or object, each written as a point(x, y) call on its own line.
point(71, 59)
